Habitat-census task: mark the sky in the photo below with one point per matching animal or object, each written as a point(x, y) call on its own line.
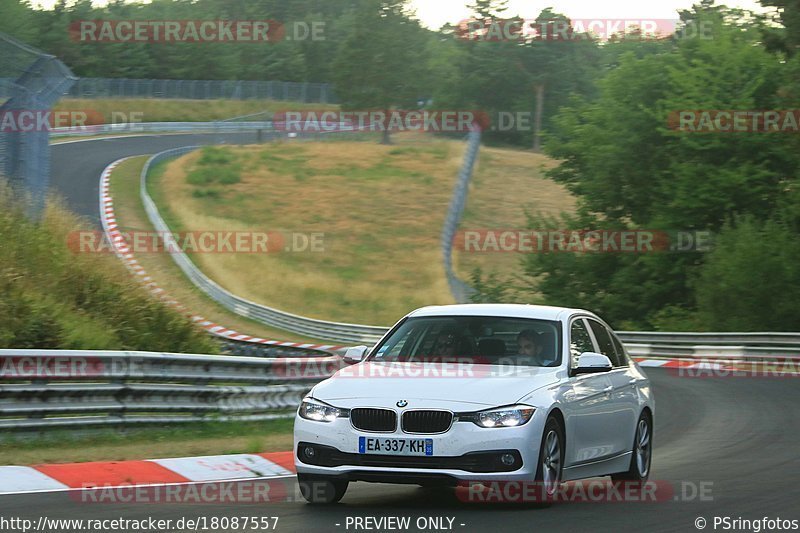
point(435, 13)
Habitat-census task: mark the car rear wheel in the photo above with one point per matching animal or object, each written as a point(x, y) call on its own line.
point(321, 489)
point(639, 469)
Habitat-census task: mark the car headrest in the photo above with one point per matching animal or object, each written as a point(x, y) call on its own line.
point(491, 347)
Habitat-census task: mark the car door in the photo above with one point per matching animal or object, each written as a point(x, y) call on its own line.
point(587, 402)
point(623, 405)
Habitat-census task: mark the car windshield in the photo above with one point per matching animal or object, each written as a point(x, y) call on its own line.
point(473, 339)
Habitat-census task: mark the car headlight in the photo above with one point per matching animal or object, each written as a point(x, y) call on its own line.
point(312, 409)
point(500, 417)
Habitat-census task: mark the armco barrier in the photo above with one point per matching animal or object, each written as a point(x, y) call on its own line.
point(234, 342)
point(665, 344)
point(162, 127)
point(202, 89)
point(47, 389)
point(460, 290)
point(41, 389)
point(755, 346)
point(309, 327)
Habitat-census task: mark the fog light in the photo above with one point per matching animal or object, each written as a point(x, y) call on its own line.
point(308, 452)
point(507, 459)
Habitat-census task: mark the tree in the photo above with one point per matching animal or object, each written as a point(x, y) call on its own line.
point(558, 68)
point(630, 170)
point(16, 19)
point(488, 9)
point(751, 281)
point(380, 61)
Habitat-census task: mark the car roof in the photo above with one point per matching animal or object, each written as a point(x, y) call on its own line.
point(541, 312)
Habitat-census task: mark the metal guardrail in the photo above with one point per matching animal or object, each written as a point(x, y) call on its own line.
point(740, 346)
point(714, 352)
point(161, 127)
point(334, 331)
point(460, 290)
point(203, 89)
point(308, 92)
point(309, 327)
point(791, 340)
point(51, 389)
point(666, 344)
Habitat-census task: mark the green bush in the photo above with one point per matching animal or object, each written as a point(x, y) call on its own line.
point(751, 280)
point(206, 193)
point(216, 155)
point(215, 165)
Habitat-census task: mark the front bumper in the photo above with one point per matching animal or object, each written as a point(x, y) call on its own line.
point(465, 452)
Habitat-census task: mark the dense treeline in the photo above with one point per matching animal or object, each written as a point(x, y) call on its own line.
point(605, 113)
point(631, 171)
point(374, 51)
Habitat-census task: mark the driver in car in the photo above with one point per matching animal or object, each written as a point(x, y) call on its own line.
point(446, 343)
point(531, 346)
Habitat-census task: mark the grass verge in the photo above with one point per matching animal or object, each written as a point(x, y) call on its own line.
point(132, 217)
point(380, 209)
point(507, 184)
point(211, 438)
point(377, 212)
point(54, 297)
point(175, 110)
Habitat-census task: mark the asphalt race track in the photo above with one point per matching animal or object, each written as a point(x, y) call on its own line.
point(736, 435)
point(76, 165)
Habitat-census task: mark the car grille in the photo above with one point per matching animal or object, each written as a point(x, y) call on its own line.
point(427, 421)
point(369, 419)
point(484, 461)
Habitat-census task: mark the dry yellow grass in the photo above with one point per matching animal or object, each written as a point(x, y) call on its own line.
point(507, 184)
point(174, 110)
point(131, 217)
point(381, 209)
point(381, 226)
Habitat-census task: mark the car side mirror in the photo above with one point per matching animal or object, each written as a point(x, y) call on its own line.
point(592, 363)
point(355, 354)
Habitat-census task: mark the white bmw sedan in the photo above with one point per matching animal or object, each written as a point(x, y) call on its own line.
point(469, 393)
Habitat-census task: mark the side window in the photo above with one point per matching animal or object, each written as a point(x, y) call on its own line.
point(604, 342)
point(579, 342)
point(623, 359)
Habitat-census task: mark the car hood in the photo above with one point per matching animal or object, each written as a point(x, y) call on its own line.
point(384, 384)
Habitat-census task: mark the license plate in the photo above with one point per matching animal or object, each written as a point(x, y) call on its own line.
point(388, 446)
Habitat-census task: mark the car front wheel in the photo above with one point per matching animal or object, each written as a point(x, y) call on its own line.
point(321, 489)
point(551, 460)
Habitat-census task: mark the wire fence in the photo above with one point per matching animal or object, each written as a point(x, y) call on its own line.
point(31, 83)
point(321, 93)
